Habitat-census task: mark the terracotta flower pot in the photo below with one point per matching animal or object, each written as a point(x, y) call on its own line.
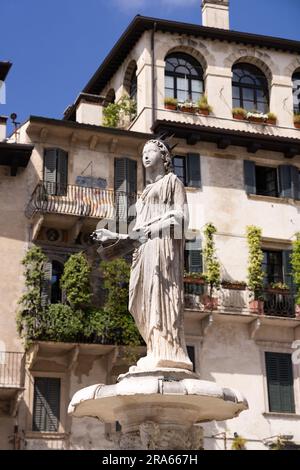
point(204, 112)
point(257, 120)
point(297, 125)
point(173, 107)
point(240, 117)
point(272, 122)
point(297, 311)
point(233, 286)
point(210, 303)
point(257, 306)
point(186, 109)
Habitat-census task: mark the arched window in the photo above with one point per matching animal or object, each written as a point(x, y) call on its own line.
point(110, 97)
point(296, 92)
point(56, 292)
point(249, 88)
point(133, 85)
point(183, 78)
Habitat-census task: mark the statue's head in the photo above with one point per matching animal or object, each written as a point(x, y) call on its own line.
point(157, 152)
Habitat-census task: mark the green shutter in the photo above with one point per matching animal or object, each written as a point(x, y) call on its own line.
point(62, 172)
point(280, 382)
point(193, 170)
point(249, 177)
point(295, 177)
point(120, 174)
point(285, 181)
point(194, 256)
point(46, 404)
point(132, 177)
point(50, 170)
point(46, 286)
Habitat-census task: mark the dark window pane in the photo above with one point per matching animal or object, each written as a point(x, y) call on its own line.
point(252, 84)
point(272, 267)
point(46, 404)
point(266, 181)
point(57, 272)
point(185, 76)
point(280, 382)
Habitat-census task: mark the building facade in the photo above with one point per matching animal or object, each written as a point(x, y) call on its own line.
point(241, 167)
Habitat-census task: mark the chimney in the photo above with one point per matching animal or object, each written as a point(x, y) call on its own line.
point(3, 120)
point(215, 13)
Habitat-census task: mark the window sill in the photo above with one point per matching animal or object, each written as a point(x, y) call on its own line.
point(277, 414)
point(45, 435)
point(278, 200)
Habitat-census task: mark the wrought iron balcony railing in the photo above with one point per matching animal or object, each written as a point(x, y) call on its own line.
point(80, 201)
point(279, 303)
point(276, 303)
point(12, 369)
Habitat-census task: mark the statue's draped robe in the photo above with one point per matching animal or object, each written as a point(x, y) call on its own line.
point(156, 281)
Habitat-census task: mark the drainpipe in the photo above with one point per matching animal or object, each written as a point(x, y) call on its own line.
point(153, 74)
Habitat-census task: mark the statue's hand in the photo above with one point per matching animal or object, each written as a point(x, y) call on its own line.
point(103, 235)
point(141, 234)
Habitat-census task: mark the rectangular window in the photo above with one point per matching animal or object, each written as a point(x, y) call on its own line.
point(46, 404)
point(188, 169)
point(272, 266)
point(280, 382)
point(266, 181)
point(193, 256)
point(179, 168)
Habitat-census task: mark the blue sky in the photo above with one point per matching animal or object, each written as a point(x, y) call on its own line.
point(56, 45)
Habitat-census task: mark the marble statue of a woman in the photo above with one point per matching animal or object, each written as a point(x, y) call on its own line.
point(156, 280)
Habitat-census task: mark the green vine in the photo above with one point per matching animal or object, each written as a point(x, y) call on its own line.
point(255, 259)
point(295, 261)
point(119, 324)
point(211, 263)
point(75, 281)
point(78, 321)
point(113, 111)
point(29, 316)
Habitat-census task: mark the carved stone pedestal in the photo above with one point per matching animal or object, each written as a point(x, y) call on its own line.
point(153, 436)
point(159, 409)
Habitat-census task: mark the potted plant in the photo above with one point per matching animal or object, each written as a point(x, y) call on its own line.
point(238, 443)
point(239, 113)
point(203, 106)
point(187, 107)
point(280, 287)
point(297, 120)
point(256, 116)
point(234, 285)
point(171, 103)
point(194, 278)
point(272, 118)
point(212, 266)
point(255, 272)
point(295, 262)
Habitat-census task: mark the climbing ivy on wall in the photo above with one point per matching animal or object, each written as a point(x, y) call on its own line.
point(77, 320)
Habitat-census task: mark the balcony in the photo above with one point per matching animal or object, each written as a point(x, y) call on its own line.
point(236, 300)
point(12, 375)
point(279, 303)
point(80, 201)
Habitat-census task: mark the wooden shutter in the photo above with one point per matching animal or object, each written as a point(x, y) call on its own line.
point(50, 170)
point(285, 181)
point(46, 286)
point(62, 172)
point(193, 170)
point(249, 177)
point(280, 382)
point(194, 256)
point(287, 269)
point(46, 404)
point(295, 178)
point(120, 174)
